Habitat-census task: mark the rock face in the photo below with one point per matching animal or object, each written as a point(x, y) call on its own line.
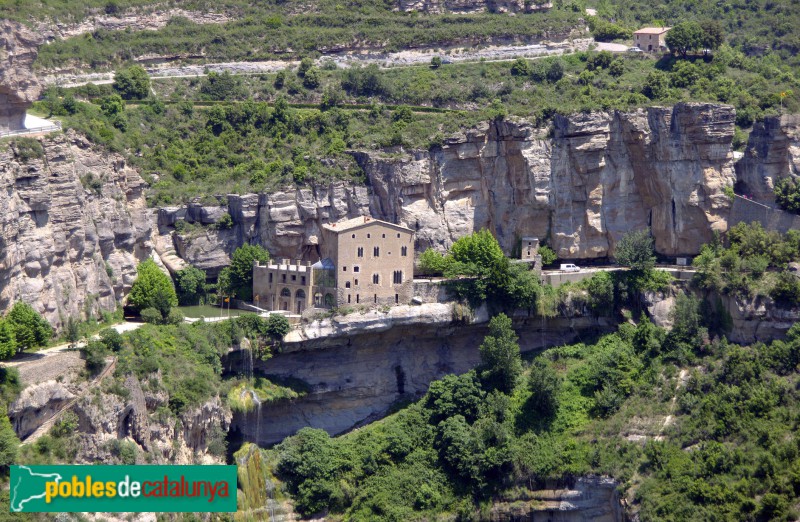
point(772, 153)
point(65, 248)
point(36, 404)
point(358, 365)
point(18, 86)
point(580, 190)
point(471, 6)
point(179, 441)
point(288, 223)
point(599, 176)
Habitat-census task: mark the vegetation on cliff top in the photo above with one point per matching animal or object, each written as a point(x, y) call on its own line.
point(228, 134)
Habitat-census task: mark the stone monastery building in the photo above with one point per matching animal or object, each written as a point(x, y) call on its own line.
point(363, 261)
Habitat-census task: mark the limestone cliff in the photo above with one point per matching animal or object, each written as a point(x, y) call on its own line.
point(18, 86)
point(579, 186)
point(772, 153)
point(358, 365)
point(136, 411)
point(73, 227)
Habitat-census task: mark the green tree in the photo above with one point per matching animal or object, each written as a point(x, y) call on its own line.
point(656, 85)
point(305, 65)
point(221, 86)
point(601, 293)
point(94, 353)
point(436, 62)
point(190, 284)
point(479, 250)
point(9, 443)
point(432, 262)
point(112, 339)
point(787, 194)
point(312, 78)
point(30, 328)
point(713, 35)
point(544, 385)
point(548, 255)
point(635, 250)
point(152, 289)
point(277, 326)
point(521, 67)
point(501, 364)
point(112, 105)
point(241, 273)
point(684, 38)
point(8, 343)
point(132, 83)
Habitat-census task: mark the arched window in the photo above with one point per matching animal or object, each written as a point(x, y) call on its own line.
point(329, 300)
point(286, 293)
point(300, 294)
point(347, 284)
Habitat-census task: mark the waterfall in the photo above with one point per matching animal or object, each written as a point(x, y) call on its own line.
point(258, 416)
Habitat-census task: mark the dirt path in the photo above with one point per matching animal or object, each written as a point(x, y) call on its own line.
point(406, 58)
point(46, 425)
point(47, 364)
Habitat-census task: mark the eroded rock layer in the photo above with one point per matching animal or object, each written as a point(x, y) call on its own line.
point(18, 85)
point(579, 188)
point(72, 229)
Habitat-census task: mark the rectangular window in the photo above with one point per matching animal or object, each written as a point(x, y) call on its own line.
point(294, 277)
point(398, 277)
point(376, 279)
point(284, 277)
point(344, 269)
point(348, 298)
point(303, 280)
point(358, 298)
point(355, 282)
point(360, 252)
point(404, 251)
point(376, 298)
point(376, 252)
point(396, 298)
point(356, 268)
point(270, 278)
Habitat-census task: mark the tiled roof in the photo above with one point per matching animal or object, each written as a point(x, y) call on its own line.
point(652, 30)
point(360, 221)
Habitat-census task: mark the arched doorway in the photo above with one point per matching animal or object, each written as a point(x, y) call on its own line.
point(286, 297)
point(300, 300)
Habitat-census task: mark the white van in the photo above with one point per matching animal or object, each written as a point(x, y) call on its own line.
point(569, 267)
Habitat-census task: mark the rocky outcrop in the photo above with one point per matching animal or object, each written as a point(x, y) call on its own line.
point(599, 176)
point(133, 20)
point(585, 499)
point(472, 6)
point(358, 365)
point(36, 404)
point(135, 416)
point(73, 227)
point(580, 189)
point(286, 222)
point(18, 85)
point(772, 153)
